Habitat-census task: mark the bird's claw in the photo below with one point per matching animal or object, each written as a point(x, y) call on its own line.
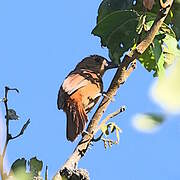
point(85, 133)
point(105, 95)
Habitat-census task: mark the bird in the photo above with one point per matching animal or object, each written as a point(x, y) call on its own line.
point(80, 91)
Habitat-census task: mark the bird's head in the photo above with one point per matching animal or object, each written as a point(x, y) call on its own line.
point(97, 64)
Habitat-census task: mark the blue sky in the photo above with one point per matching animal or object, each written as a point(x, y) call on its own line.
point(40, 42)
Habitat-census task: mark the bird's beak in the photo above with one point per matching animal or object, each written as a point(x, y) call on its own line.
point(111, 65)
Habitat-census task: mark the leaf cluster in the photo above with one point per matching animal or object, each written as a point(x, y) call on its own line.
point(122, 24)
point(108, 129)
point(26, 170)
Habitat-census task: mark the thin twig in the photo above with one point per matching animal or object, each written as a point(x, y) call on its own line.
point(22, 130)
point(98, 138)
point(120, 110)
point(46, 173)
point(8, 135)
point(5, 100)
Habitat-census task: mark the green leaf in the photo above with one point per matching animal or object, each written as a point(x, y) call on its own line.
point(157, 50)
point(167, 30)
point(117, 32)
point(25, 126)
point(12, 115)
point(159, 119)
point(18, 164)
point(109, 6)
point(147, 122)
point(152, 59)
point(18, 170)
point(170, 50)
point(162, 52)
point(105, 130)
point(35, 166)
point(159, 58)
point(147, 59)
point(113, 127)
point(172, 18)
point(141, 24)
point(166, 91)
point(176, 18)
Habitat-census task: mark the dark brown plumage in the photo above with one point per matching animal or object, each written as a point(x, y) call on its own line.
point(80, 91)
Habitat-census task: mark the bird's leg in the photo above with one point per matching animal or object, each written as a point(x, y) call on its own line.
point(84, 133)
point(105, 95)
point(87, 133)
point(98, 95)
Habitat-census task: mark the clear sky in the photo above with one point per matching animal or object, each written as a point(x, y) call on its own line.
point(40, 43)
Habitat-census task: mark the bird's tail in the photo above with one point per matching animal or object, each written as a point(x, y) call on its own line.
point(76, 119)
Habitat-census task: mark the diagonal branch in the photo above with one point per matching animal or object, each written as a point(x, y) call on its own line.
point(119, 78)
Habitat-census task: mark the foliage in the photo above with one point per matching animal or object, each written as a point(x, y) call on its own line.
point(115, 32)
point(108, 129)
point(122, 24)
point(19, 169)
point(168, 99)
point(148, 122)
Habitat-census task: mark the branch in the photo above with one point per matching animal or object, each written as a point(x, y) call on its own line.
point(5, 100)
point(8, 135)
point(22, 130)
point(119, 78)
point(10, 114)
